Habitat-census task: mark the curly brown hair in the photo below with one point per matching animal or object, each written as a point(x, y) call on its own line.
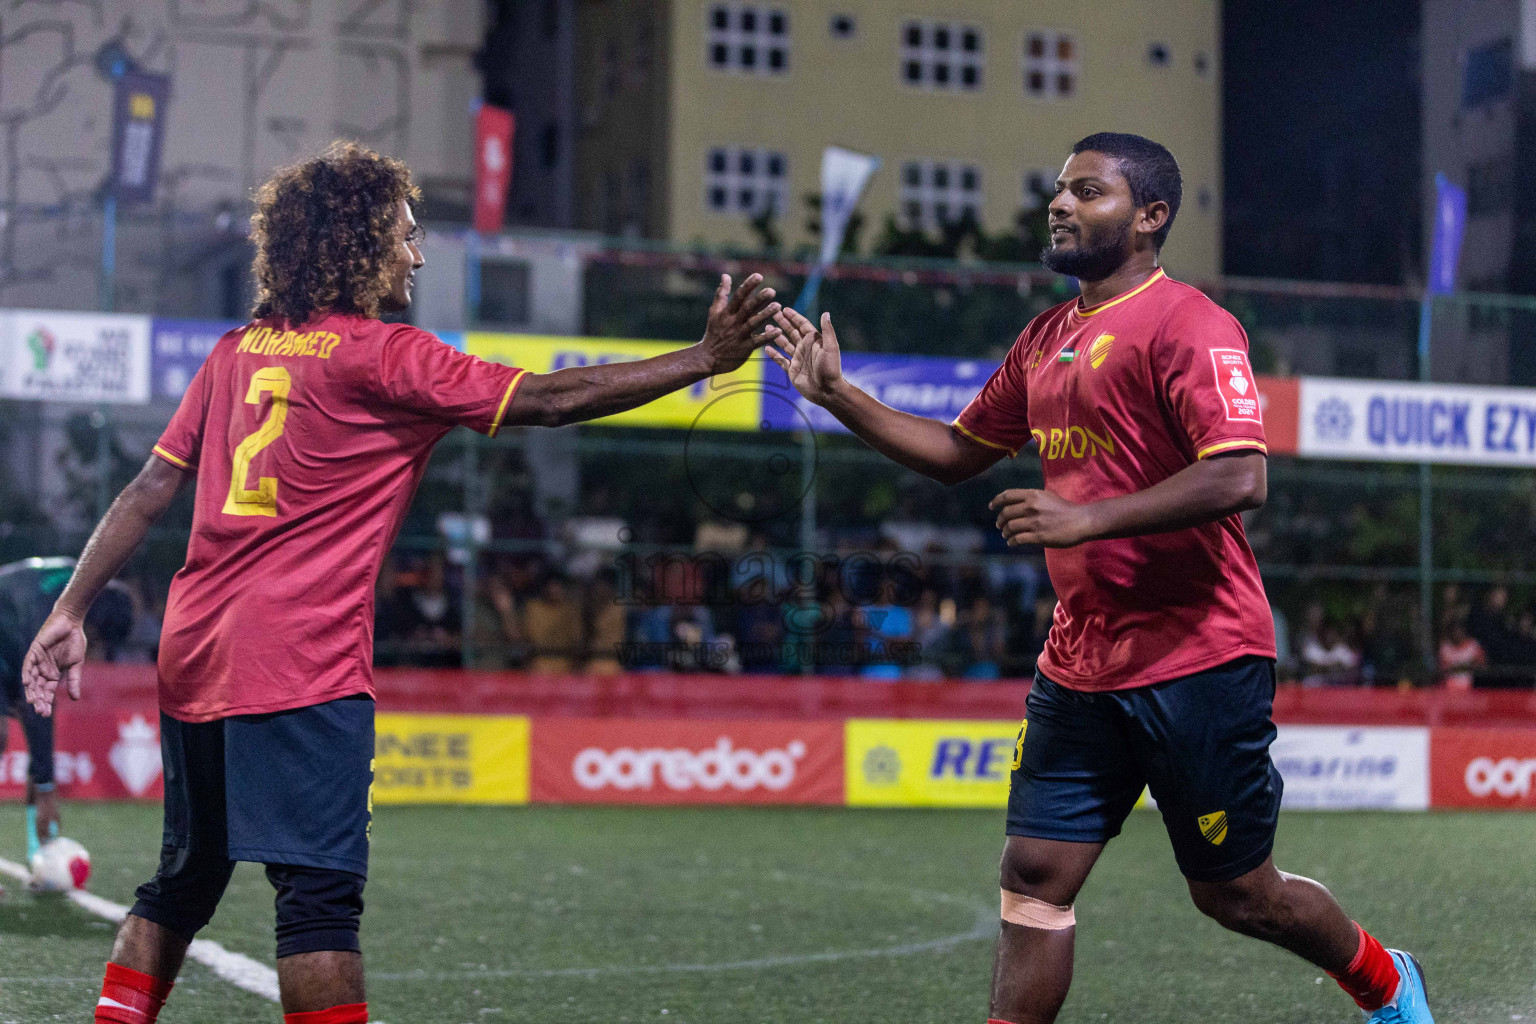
point(324, 232)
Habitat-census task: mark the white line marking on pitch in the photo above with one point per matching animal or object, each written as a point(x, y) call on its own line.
point(236, 968)
point(984, 928)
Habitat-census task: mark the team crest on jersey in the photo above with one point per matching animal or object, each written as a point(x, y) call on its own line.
point(1099, 350)
point(1214, 827)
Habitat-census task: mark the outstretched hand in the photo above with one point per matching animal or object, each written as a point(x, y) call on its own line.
point(55, 657)
point(739, 323)
point(810, 357)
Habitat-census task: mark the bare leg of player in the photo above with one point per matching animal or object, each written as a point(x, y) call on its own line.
point(146, 947)
point(319, 981)
point(1033, 969)
point(1293, 912)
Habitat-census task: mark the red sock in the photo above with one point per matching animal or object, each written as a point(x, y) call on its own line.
point(129, 997)
point(1371, 979)
point(348, 1013)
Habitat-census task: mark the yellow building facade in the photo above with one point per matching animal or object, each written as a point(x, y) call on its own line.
point(964, 102)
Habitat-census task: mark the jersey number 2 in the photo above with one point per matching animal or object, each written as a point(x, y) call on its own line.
point(263, 500)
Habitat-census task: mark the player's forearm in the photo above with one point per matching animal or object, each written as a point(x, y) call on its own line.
point(925, 445)
point(119, 534)
point(580, 393)
point(1208, 490)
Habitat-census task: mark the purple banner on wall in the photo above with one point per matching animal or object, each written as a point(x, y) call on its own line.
point(925, 386)
point(138, 132)
point(176, 349)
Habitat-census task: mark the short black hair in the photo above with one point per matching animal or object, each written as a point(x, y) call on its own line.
point(1149, 168)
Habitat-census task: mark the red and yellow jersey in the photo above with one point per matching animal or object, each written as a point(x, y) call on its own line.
point(1120, 397)
point(308, 445)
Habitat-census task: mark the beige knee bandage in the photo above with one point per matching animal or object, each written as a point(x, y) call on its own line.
point(1032, 913)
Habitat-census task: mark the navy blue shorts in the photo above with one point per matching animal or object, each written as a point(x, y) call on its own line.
point(1200, 742)
point(290, 787)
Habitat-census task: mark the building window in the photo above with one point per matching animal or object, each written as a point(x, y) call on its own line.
point(742, 180)
point(749, 39)
point(941, 55)
point(843, 26)
point(939, 192)
point(1039, 188)
point(1490, 187)
point(1050, 65)
point(1488, 74)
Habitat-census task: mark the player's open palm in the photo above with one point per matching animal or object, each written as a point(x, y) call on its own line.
point(55, 657)
point(739, 323)
point(810, 357)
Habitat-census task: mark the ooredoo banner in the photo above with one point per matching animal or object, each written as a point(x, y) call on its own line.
point(1484, 768)
point(686, 761)
point(96, 756)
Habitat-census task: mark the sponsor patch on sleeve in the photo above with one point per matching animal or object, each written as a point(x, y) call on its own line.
point(1234, 382)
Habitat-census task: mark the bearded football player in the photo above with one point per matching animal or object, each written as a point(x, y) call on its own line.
point(1159, 670)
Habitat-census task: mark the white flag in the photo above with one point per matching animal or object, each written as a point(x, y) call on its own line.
point(844, 174)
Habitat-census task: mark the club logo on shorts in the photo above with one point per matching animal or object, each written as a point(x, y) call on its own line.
point(1018, 745)
point(1214, 827)
point(1099, 350)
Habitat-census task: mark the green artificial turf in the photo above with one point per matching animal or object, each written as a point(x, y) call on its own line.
point(743, 916)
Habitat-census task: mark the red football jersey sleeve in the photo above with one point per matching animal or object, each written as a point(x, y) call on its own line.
point(998, 416)
point(1201, 359)
point(418, 372)
point(308, 444)
point(182, 441)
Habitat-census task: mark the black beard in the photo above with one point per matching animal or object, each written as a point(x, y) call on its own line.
point(1094, 261)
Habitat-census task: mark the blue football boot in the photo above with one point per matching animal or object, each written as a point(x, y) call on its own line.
point(1412, 1003)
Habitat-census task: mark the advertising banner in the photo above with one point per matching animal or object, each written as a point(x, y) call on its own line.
point(493, 166)
point(451, 759)
point(74, 357)
point(1483, 768)
point(1390, 421)
point(1327, 767)
point(96, 756)
point(913, 763)
point(1450, 230)
point(687, 761)
point(728, 402)
point(177, 348)
point(138, 130)
point(934, 387)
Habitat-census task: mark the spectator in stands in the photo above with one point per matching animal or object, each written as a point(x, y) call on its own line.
point(1285, 658)
point(552, 624)
point(434, 637)
point(393, 616)
point(1326, 658)
point(607, 622)
point(1460, 654)
point(933, 622)
point(983, 631)
point(887, 628)
point(497, 641)
point(1490, 625)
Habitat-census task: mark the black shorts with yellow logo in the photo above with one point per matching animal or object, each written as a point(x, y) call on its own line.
point(1200, 742)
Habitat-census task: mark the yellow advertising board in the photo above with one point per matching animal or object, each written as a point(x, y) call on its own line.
point(451, 759)
point(898, 762)
point(731, 401)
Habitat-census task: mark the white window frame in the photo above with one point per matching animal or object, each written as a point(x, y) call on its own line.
point(737, 39)
point(928, 194)
point(1050, 66)
point(767, 189)
point(954, 58)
